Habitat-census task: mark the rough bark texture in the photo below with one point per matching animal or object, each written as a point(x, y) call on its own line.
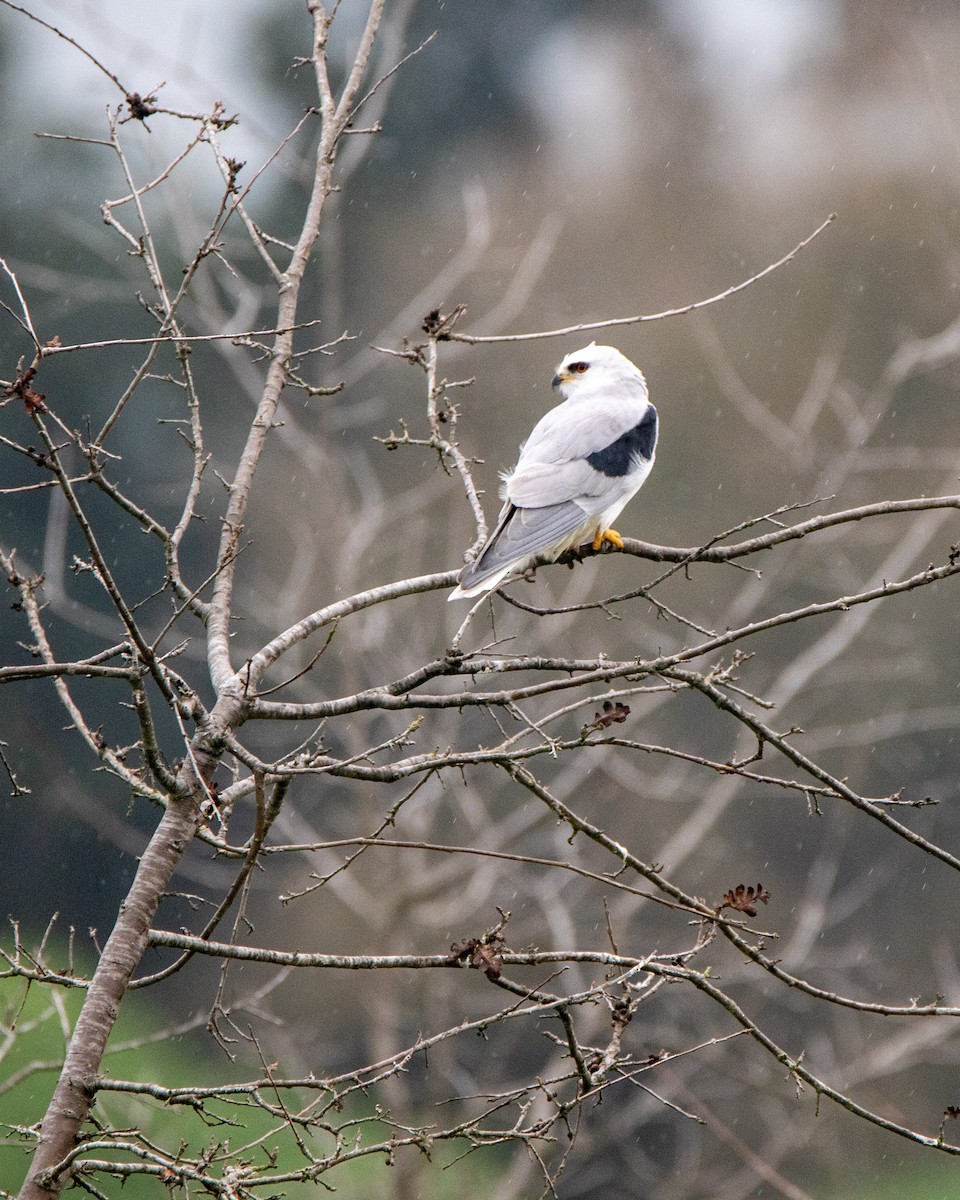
point(76, 1087)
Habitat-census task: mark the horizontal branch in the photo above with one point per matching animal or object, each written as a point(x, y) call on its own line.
point(610, 881)
point(43, 670)
point(577, 672)
point(247, 679)
point(713, 553)
point(175, 338)
point(375, 962)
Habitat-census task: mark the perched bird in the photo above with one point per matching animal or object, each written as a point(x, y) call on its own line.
point(581, 464)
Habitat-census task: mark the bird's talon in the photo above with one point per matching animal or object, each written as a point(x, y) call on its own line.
point(607, 535)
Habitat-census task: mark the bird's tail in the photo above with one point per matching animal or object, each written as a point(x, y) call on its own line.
point(521, 535)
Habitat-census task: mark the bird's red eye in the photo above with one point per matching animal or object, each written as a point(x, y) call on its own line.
point(578, 368)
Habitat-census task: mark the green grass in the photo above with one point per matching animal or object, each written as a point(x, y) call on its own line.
point(891, 1179)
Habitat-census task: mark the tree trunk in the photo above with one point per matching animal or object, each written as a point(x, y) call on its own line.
point(76, 1087)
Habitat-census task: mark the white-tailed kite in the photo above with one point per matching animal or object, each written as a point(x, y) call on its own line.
point(581, 464)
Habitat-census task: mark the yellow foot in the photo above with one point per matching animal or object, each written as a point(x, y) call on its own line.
point(608, 535)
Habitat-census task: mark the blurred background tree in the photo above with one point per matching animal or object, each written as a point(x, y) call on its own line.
point(544, 164)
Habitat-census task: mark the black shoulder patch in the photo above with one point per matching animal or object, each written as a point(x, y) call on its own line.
point(621, 456)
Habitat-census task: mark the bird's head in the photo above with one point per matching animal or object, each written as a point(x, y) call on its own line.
point(594, 368)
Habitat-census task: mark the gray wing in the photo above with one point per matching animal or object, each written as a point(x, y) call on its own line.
point(574, 454)
point(539, 484)
point(553, 463)
point(520, 534)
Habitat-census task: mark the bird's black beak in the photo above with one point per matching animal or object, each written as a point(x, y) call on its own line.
point(557, 381)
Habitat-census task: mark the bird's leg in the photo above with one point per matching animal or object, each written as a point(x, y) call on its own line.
point(608, 535)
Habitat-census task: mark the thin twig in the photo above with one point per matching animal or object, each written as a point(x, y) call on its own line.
point(615, 322)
